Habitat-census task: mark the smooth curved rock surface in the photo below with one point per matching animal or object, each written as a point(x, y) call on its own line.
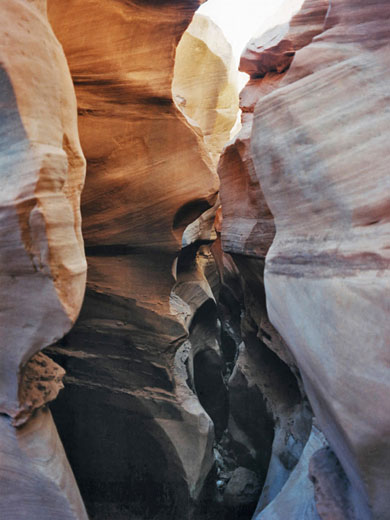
point(276, 435)
point(150, 385)
point(149, 176)
point(296, 499)
point(315, 160)
point(36, 481)
point(42, 260)
point(320, 156)
point(248, 225)
point(205, 84)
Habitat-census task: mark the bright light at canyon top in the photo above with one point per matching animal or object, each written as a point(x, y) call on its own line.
point(240, 20)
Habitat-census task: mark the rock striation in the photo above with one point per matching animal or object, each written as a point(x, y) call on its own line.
point(311, 163)
point(220, 353)
point(43, 174)
point(265, 371)
point(148, 321)
point(43, 266)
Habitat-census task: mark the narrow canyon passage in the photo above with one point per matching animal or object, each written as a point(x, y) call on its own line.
point(203, 266)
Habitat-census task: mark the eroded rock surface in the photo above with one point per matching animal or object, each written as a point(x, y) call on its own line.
point(41, 257)
point(130, 356)
point(194, 370)
point(317, 156)
point(333, 493)
point(269, 417)
point(41, 380)
point(335, 180)
point(36, 481)
point(270, 432)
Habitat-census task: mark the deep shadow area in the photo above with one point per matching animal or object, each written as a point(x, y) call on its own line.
point(209, 366)
point(210, 388)
point(119, 464)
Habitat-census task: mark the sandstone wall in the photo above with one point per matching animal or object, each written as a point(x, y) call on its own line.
point(195, 372)
point(42, 259)
point(316, 153)
point(149, 175)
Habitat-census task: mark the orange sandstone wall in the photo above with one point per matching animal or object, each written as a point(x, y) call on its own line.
point(149, 175)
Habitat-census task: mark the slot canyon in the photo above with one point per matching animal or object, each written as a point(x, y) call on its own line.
point(195, 273)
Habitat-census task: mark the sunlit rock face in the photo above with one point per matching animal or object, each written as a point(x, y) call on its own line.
point(144, 443)
point(205, 82)
point(42, 260)
point(316, 152)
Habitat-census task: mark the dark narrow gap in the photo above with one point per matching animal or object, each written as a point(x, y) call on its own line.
point(208, 369)
point(234, 485)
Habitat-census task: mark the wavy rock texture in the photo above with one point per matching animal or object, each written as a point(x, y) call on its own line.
point(186, 392)
point(144, 443)
point(339, 264)
point(42, 259)
point(317, 151)
point(280, 411)
point(205, 82)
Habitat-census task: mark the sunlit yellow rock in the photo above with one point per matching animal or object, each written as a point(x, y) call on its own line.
point(205, 82)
